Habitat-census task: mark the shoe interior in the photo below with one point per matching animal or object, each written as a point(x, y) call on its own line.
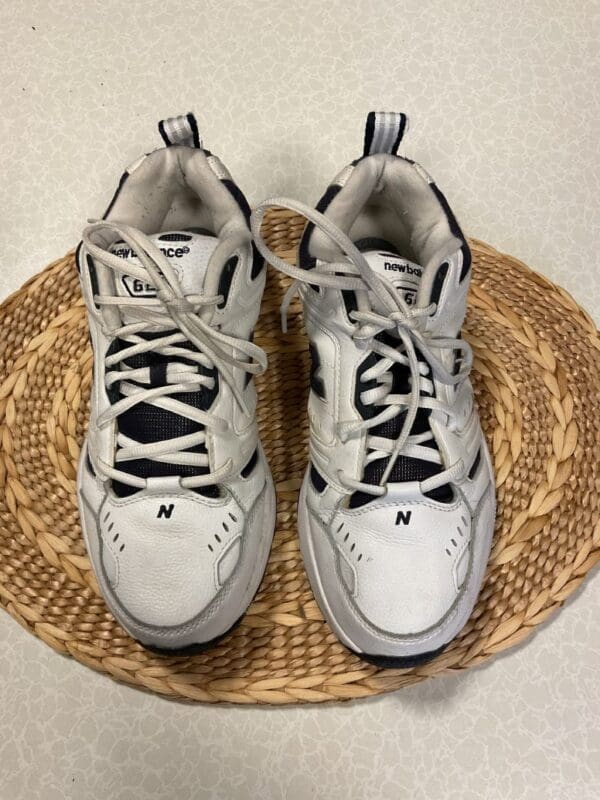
point(391, 199)
point(170, 191)
point(177, 188)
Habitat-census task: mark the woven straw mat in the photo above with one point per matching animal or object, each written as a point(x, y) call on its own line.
point(536, 368)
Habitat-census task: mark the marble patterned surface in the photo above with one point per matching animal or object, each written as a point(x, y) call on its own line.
point(504, 109)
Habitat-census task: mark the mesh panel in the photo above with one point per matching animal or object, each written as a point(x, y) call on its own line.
point(145, 423)
point(175, 237)
point(406, 468)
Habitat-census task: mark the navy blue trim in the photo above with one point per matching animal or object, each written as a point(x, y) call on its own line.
point(375, 243)
point(360, 386)
point(252, 461)
point(474, 465)
point(93, 277)
point(305, 260)
point(194, 126)
point(163, 133)
point(122, 180)
point(399, 662)
point(438, 282)
point(369, 133)
point(239, 197)
point(189, 649)
point(456, 231)
point(77, 254)
point(226, 279)
point(401, 132)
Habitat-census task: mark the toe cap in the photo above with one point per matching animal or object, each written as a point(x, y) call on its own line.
point(166, 558)
point(404, 567)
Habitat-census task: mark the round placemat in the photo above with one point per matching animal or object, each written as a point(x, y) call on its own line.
point(536, 377)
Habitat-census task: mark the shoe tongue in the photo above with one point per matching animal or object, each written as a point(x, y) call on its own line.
point(406, 276)
point(188, 253)
point(403, 274)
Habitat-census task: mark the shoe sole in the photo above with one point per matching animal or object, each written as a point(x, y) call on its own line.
point(400, 662)
point(191, 649)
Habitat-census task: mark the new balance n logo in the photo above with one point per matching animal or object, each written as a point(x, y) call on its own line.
point(403, 517)
point(165, 511)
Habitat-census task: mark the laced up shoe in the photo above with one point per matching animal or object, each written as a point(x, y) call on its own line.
point(176, 499)
point(396, 512)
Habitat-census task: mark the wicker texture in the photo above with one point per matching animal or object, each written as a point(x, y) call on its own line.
point(536, 376)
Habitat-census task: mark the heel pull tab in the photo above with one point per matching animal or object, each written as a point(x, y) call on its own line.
point(384, 131)
point(182, 130)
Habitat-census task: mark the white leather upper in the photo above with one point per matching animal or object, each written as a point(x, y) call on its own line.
point(177, 567)
point(167, 554)
point(403, 578)
point(400, 579)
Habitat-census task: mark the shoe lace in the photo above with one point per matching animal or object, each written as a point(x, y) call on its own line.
point(416, 350)
point(173, 325)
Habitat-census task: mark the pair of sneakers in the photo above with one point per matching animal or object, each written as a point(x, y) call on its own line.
point(177, 503)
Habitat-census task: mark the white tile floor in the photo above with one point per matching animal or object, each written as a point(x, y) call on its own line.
point(504, 110)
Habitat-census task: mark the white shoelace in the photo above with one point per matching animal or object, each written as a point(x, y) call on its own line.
point(180, 316)
point(402, 321)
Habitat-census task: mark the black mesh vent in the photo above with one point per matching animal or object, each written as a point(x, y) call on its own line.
point(406, 468)
point(305, 260)
point(145, 423)
point(175, 237)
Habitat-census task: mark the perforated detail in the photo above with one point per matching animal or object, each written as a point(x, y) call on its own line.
point(350, 549)
point(475, 465)
point(457, 540)
point(175, 237)
point(146, 423)
point(109, 533)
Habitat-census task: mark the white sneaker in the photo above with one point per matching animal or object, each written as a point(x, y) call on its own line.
point(176, 499)
point(396, 512)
